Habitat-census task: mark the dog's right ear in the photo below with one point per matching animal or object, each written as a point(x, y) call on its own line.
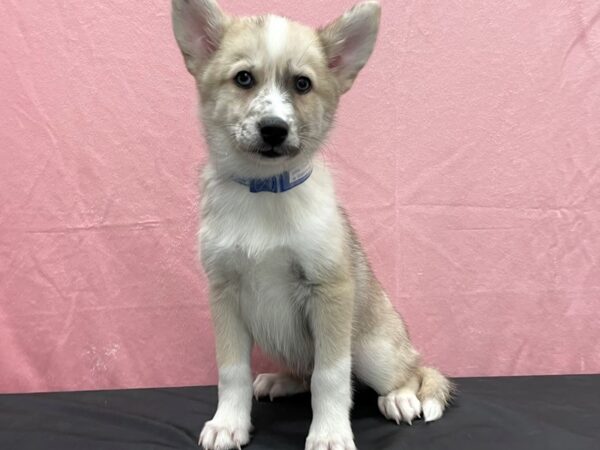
point(198, 26)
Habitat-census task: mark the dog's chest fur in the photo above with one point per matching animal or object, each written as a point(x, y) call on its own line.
point(274, 304)
point(275, 247)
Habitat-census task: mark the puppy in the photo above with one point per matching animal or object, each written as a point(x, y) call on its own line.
point(284, 267)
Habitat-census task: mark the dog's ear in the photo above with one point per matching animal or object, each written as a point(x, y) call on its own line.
point(198, 26)
point(349, 41)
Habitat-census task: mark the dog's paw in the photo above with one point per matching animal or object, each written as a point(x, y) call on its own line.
point(400, 405)
point(432, 409)
point(275, 385)
point(328, 438)
point(222, 436)
point(330, 442)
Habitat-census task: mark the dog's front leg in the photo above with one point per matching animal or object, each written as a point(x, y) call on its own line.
point(230, 427)
point(331, 325)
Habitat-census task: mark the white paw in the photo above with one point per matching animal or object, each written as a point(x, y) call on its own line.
point(432, 409)
point(221, 436)
point(400, 405)
point(330, 441)
point(275, 385)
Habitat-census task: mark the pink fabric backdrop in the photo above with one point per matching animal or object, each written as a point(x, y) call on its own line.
point(468, 155)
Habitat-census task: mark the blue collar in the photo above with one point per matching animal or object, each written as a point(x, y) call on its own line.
point(277, 183)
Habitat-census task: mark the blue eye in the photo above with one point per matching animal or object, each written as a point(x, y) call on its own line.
point(303, 85)
point(244, 79)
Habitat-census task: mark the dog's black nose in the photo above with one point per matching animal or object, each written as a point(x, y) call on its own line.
point(273, 130)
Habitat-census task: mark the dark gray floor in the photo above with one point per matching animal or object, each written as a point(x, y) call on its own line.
point(528, 413)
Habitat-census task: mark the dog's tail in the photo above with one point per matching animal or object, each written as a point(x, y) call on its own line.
point(435, 393)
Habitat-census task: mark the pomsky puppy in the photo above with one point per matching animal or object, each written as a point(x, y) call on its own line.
point(284, 267)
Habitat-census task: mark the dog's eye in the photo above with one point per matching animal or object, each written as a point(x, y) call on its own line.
point(244, 79)
point(303, 85)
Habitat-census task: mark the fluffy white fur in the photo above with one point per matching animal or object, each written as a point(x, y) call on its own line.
point(230, 427)
point(331, 402)
point(277, 34)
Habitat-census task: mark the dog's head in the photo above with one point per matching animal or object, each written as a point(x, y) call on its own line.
point(269, 87)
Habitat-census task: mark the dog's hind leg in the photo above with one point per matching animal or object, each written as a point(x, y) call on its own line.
point(387, 362)
point(435, 393)
point(401, 404)
point(426, 392)
point(281, 384)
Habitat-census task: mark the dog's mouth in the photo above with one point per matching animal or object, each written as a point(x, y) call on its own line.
point(271, 153)
point(277, 152)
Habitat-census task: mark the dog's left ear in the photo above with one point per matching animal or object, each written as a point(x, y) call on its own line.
point(348, 41)
point(199, 26)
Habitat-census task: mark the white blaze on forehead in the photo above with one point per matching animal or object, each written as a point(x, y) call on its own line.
point(277, 32)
